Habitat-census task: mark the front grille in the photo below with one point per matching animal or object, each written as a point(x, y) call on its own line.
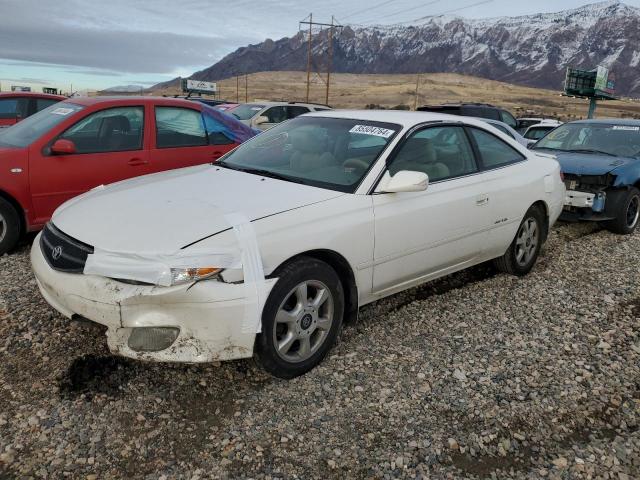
point(62, 252)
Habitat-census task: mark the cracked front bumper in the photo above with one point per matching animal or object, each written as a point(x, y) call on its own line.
point(209, 314)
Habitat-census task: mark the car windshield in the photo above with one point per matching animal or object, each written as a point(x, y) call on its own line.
point(246, 111)
point(332, 153)
point(32, 128)
point(596, 138)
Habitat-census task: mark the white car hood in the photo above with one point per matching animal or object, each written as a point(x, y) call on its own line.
point(168, 211)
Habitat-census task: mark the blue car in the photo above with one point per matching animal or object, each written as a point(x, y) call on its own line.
point(600, 160)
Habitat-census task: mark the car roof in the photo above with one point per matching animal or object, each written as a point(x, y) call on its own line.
point(608, 121)
point(31, 94)
point(402, 117)
point(129, 99)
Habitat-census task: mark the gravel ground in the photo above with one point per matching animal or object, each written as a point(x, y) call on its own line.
point(478, 375)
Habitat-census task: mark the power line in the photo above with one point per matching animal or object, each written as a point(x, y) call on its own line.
point(367, 23)
point(403, 11)
point(373, 7)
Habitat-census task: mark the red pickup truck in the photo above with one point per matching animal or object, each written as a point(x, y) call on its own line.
point(16, 106)
point(76, 145)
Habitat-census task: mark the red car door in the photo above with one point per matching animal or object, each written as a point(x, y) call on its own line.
point(109, 146)
point(181, 139)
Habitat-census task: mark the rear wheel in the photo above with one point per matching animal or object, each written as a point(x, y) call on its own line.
point(627, 212)
point(523, 252)
point(9, 226)
point(301, 318)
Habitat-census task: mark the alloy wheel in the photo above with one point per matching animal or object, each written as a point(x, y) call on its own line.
point(303, 321)
point(633, 212)
point(527, 241)
point(3, 228)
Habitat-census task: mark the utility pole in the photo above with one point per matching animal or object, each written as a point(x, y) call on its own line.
point(326, 101)
point(246, 88)
point(415, 105)
point(309, 56)
point(331, 26)
point(237, 89)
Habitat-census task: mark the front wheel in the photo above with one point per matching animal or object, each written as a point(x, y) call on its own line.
point(523, 252)
point(9, 226)
point(627, 213)
point(301, 318)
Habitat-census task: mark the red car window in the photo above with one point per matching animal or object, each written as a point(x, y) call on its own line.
point(111, 130)
point(179, 127)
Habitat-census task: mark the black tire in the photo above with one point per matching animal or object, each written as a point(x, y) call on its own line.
point(9, 226)
point(283, 294)
point(627, 212)
point(514, 261)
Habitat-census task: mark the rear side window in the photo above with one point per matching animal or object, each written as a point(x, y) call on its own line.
point(276, 114)
point(215, 131)
point(179, 127)
point(537, 133)
point(509, 119)
point(493, 151)
point(295, 111)
point(111, 130)
point(8, 108)
point(42, 103)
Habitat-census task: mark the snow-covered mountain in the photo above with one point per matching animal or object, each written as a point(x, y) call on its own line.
point(533, 50)
point(124, 89)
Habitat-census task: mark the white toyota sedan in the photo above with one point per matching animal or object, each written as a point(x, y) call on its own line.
point(267, 252)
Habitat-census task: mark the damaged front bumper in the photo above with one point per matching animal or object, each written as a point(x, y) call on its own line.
point(208, 314)
point(584, 206)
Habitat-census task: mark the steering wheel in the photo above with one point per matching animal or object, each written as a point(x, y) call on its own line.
point(626, 151)
point(356, 164)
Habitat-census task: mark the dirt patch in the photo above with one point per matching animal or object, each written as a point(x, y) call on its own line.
point(93, 374)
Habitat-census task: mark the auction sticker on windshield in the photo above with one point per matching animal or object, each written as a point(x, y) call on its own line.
point(62, 111)
point(370, 130)
point(627, 128)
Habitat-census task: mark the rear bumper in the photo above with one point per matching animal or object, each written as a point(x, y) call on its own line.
point(209, 314)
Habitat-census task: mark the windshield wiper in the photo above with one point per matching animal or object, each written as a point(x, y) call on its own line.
point(589, 150)
point(263, 173)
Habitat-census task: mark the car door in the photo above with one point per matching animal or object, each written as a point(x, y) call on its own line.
point(507, 177)
point(422, 234)
point(108, 148)
point(181, 139)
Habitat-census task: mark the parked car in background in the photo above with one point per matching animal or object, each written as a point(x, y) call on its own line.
point(269, 250)
point(600, 160)
point(264, 115)
point(479, 110)
point(539, 130)
point(225, 107)
point(526, 122)
point(76, 145)
point(507, 130)
point(212, 102)
point(16, 106)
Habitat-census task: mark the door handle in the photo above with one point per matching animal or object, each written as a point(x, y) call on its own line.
point(134, 162)
point(482, 200)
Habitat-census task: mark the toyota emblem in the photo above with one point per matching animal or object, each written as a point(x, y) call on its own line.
point(56, 253)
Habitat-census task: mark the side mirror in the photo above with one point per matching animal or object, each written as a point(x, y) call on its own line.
point(63, 147)
point(407, 181)
point(262, 119)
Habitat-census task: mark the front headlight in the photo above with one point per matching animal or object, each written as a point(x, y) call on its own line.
point(185, 275)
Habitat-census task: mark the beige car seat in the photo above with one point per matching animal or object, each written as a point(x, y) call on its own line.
point(309, 152)
point(419, 155)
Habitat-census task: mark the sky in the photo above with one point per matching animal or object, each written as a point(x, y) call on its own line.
point(89, 44)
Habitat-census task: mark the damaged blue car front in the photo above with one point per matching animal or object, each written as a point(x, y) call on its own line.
point(600, 160)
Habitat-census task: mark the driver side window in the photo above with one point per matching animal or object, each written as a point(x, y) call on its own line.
point(111, 130)
point(440, 152)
